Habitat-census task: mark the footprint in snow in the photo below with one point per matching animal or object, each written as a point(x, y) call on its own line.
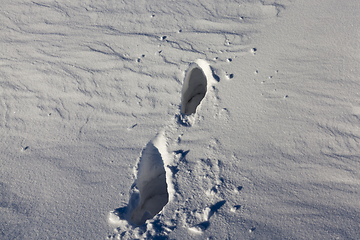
point(152, 189)
point(151, 181)
point(207, 214)
point(149, 193)
point(198, 79)
point(194, 89)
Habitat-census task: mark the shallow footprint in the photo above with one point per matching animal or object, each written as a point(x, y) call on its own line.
point(207, 214)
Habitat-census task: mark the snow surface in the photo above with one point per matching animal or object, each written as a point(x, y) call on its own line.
point(95, 143)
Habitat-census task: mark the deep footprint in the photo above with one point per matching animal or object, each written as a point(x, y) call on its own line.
point(151, 181)
point(194, 89)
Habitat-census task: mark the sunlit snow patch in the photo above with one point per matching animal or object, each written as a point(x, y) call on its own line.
point(198, 79)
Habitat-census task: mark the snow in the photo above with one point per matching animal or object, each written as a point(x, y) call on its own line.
point(199, 79)
point(151, 181)
point(179, 120)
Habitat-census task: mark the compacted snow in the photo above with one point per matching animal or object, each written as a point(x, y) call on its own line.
point(180, 119)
